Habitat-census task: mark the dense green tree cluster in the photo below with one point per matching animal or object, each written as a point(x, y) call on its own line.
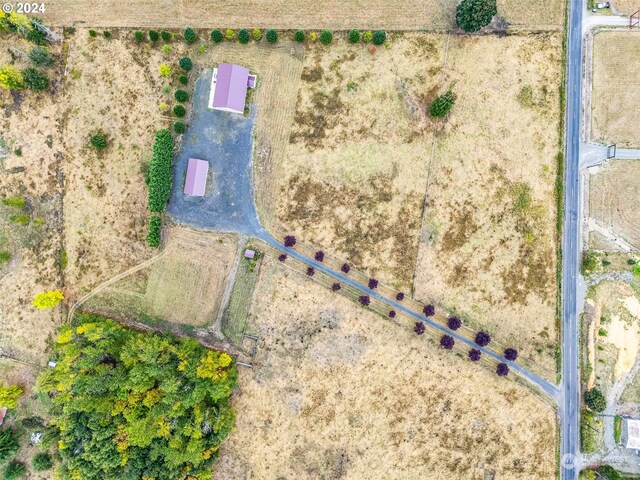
point(9, 444)
point(595, 400)
point(129, 405)
point(160, 175)
point(472, 15)
point(153, 236)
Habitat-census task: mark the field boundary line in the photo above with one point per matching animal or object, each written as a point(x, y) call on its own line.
point(216, 328)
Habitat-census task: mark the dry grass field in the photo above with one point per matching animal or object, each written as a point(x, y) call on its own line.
point(184, 286)
point(355, 169)
point(487, 247)
point(337, 14)
point(613, 201)
point(32, 234)
point(616, 88)
point(337, 392)
point(626, 7)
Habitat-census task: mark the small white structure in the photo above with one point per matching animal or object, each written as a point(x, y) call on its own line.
point(631, 433)
point(52, 364)
point(249, 253)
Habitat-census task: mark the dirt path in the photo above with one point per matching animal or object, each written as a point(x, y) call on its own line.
point(216, 328)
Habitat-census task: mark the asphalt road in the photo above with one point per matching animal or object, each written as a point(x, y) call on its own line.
point(570, 387)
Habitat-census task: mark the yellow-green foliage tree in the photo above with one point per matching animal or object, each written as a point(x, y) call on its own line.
point(45, 300)
point(130, 405)
point(165, 70)
point(9, 395)
point(11, 77)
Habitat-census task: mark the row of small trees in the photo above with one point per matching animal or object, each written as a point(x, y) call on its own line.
point(159, 181)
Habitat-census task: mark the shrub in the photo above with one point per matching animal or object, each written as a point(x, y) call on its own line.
point(165, 70)
point(310, 271)
point(419, 328)
point(244, 36)
point(367, 36)
point(153, 235)
point(216, 35)
point(5, 256)
point(33, 423)
point(379, 37)
point(502, 369)
point(14, 470)
point(35, 80)
point(160, 171)
point(11, 78)
point(179, 127)
point(138, 35)
point(483, 339)
point(159, 424)
point(289, 241)
point(257, 34)
point(41, 57)
point(609, 473)
point(299, 36)
point(429, 310)
point(319, 256)
point(364, 300)
point(326, 37)
point(42, 462)
point(472, 15)
point(9, 444)
point(392, 314)
point(106, 34)
point(9, 395)
point(335, 287)
point(36, 36)
point(181, 96)
point(313, 36)
point(272, 35)
point(589, 262)
point(510, 354)
point(354, 36)
point(20, 218)
point(454, 323)
point(99, 141)
point(46, 300)
point(154, 36)
point(15, 202)
point(345, 268)
point(93, 33)
point(474, 355)
point(189, 35)
point(166, 36)
point(282, 257)
point(185, 63)
point(595, 400)
point(179, 111)
point(183, 79)
point(400, 296)
point(166, 49)
point(373, 283)
point(442, 105)
point(447, 342)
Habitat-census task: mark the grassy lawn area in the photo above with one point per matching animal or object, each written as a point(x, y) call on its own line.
point(590, 432)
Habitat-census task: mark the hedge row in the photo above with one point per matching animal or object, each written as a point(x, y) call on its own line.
point(160, 174)
point(153, 236)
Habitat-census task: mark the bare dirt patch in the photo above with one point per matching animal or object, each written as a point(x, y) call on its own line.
point(487, 247)
point(613, 201)
point(338, 14)
point(338, 392)
point(616, 87)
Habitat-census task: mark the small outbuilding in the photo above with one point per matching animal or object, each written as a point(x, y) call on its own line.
point(631, 433)
point(196, 182)
point(229, 85)
point(249, 253)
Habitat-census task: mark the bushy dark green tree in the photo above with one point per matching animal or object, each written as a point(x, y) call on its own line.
point(93, 33)
point(35, 80)
point(299, 36)
point(9, 444)
point(154, 36)
point(179, 127)
point(190, 35)
point(179, 111)
point(99, 141)
point(166, 36)
point(272, 35)
point(14, 470)
point(216, 35)
point(354, 36)
point(442, 105)
point(244, 36)
point(138, 35)
point(160, 171)
point(42, 462)
point(326, 37)
point(183, 79)
point(153, 235)
point(472, 15)
point(595, 400)
point(106, 34)
point(185, 63)
point(41, 57)
point(182, 96)
point(137, 405)
point(379, 37)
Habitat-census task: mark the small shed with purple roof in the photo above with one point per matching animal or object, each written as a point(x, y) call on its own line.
point(229, 85)
point(196, 181)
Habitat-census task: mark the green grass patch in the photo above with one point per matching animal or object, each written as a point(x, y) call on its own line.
point(617, 429)
point(589, 432)
point(15, 202)
point(20, 218)
point(4, 257)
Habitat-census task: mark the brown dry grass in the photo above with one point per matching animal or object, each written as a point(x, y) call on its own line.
point(338, 392)
point(184, 286)
point(613, 199)
point(337, 14)
point(616, 88)
point(487, 248)
point(626, 7)
point(29, 124)
point(355, 169)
